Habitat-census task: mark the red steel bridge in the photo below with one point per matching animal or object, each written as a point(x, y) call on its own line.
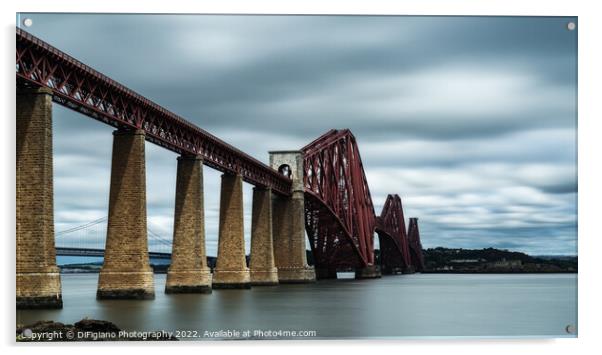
point(340, 220)
point(339, 213)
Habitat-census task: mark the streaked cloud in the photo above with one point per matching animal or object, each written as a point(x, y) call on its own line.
point(472, 120)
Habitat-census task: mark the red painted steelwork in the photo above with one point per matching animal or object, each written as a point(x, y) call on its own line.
point(339, 211)
point(415, 245)
point(83, 89)
point(393, 240)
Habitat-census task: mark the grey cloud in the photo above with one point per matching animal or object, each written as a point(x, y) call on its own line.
point(278, 70)
point(471, 120)
point(561, 188)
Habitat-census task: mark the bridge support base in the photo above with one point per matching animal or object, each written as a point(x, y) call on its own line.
point(409, 270)
point(188, 272)
point(126, 272)
point(325, 273)
point(125, 285)
point(289, 240)
point(297, 275)
point(39, 290)
point(391, 270)
point(38, 279)
point(263, 269)
point(368, 272)
point(231, 270)
point(396, 271)
point(193, 281)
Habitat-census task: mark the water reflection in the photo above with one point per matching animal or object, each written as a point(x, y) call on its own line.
point(394, 306)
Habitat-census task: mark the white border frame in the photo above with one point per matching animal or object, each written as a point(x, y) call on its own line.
point(589, 163)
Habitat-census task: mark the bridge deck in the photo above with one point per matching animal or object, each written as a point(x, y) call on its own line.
point(83, 89)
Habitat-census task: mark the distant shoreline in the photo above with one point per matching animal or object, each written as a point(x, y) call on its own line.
point(437, 260)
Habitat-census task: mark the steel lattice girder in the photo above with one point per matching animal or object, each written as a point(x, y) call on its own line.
point(339, 210)
point(415, 245)
point(391, 229)
point(83, 89)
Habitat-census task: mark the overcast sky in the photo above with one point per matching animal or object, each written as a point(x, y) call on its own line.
point(471, 120)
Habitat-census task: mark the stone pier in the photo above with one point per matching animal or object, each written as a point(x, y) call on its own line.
point(263, 269)
point(188, 272)
point(368, 272)
point(231, 270)
point(38, 280)
point(289, 222)
point(126, 272)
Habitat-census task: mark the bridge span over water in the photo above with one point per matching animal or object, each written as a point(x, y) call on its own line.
point(101, 253)
point(320, 189)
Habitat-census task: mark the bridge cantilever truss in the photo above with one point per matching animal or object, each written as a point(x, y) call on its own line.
point(339, 213)
point(415, 245)
point(338, 206)
point(393, 239)
point(83, 89)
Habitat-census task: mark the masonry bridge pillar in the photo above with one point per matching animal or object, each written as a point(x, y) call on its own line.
point(188, 272)
point(231, 270)
point(38, 278)
point(126, 271)
point(263, 267)
point(289, 222)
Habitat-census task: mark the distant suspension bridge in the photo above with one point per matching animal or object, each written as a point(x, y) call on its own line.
point(89, 239)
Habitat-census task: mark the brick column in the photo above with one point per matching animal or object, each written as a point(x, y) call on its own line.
point(38, 279)
point(263, 270)
point(231, 270)
point(126, 272)
point(289, 223)
point(188, 272)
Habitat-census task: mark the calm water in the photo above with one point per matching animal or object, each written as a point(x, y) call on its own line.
point(418, 305)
